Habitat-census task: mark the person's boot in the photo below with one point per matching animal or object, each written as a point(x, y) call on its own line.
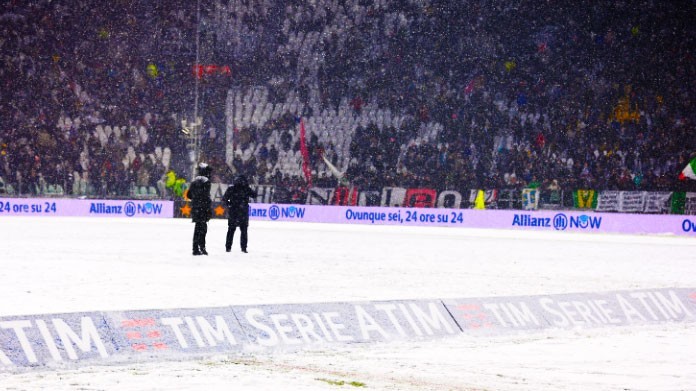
point(203, 252)
point(196, 251)
point(244, 250)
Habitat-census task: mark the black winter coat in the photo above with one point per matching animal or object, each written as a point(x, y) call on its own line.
point(237, 200)
point(199, 193)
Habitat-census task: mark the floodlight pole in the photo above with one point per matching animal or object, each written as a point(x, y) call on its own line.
point(195, 131)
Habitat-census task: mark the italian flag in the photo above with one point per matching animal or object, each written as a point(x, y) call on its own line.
point(689, 171)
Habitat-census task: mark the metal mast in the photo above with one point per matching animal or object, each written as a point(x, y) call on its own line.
point(195, 127)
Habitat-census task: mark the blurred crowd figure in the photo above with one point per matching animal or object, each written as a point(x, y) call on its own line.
point(488, 94)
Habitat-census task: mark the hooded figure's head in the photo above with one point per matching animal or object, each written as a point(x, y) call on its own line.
point(241, 180)
point(204, 170)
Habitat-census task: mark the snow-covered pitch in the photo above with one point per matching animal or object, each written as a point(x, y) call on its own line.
point(58, 265)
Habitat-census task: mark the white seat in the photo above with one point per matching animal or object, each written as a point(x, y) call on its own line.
point(142, 132)
point(166, 157)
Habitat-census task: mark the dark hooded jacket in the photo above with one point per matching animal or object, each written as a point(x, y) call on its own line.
point(199, 193)
point(236, 199)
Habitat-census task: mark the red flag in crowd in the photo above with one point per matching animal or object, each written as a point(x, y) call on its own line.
point(305, 153)
point(201, 70)
point(474, 83)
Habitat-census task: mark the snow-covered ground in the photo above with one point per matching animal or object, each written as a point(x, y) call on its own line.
point(90, 264)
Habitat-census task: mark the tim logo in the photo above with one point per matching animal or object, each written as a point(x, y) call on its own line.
point(147, 208)
point(561, 222)
point(290, 212)
point(130, 209)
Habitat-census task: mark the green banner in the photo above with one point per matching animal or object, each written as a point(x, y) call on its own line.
point(678, 202)
point(585, 199)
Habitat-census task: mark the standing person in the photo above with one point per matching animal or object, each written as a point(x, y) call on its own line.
point(199, 192)
point(237, 200)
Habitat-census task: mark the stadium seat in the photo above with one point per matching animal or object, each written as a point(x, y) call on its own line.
point(142, 133)
point(130, 154)
point(166, 157)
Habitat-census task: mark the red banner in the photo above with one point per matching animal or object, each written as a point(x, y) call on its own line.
point(420, 198)
point(305, 154)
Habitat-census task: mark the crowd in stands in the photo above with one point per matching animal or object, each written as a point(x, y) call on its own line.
point(85, 107)
point(430, 93)
point(489, 95)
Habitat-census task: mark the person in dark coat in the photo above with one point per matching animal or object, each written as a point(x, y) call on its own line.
point(237, 200)
point(199, 193)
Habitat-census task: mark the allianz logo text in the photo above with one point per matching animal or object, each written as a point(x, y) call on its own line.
point(257, 212)
point(129, 208)
point(560, 221)
point(287, 212)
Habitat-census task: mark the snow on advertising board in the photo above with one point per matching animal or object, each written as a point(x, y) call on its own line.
point(85, 207)
point(98, 338)
point(469, 218)
point(568, 311)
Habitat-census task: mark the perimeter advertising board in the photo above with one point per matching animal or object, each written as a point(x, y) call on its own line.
point(97, 338)
point(85, 208)
point(497, 219)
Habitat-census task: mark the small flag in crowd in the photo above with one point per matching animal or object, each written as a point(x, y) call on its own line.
point(305, 153)
point(689, 171)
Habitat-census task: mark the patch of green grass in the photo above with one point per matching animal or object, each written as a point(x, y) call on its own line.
point(224, 362)
point(342, 382)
